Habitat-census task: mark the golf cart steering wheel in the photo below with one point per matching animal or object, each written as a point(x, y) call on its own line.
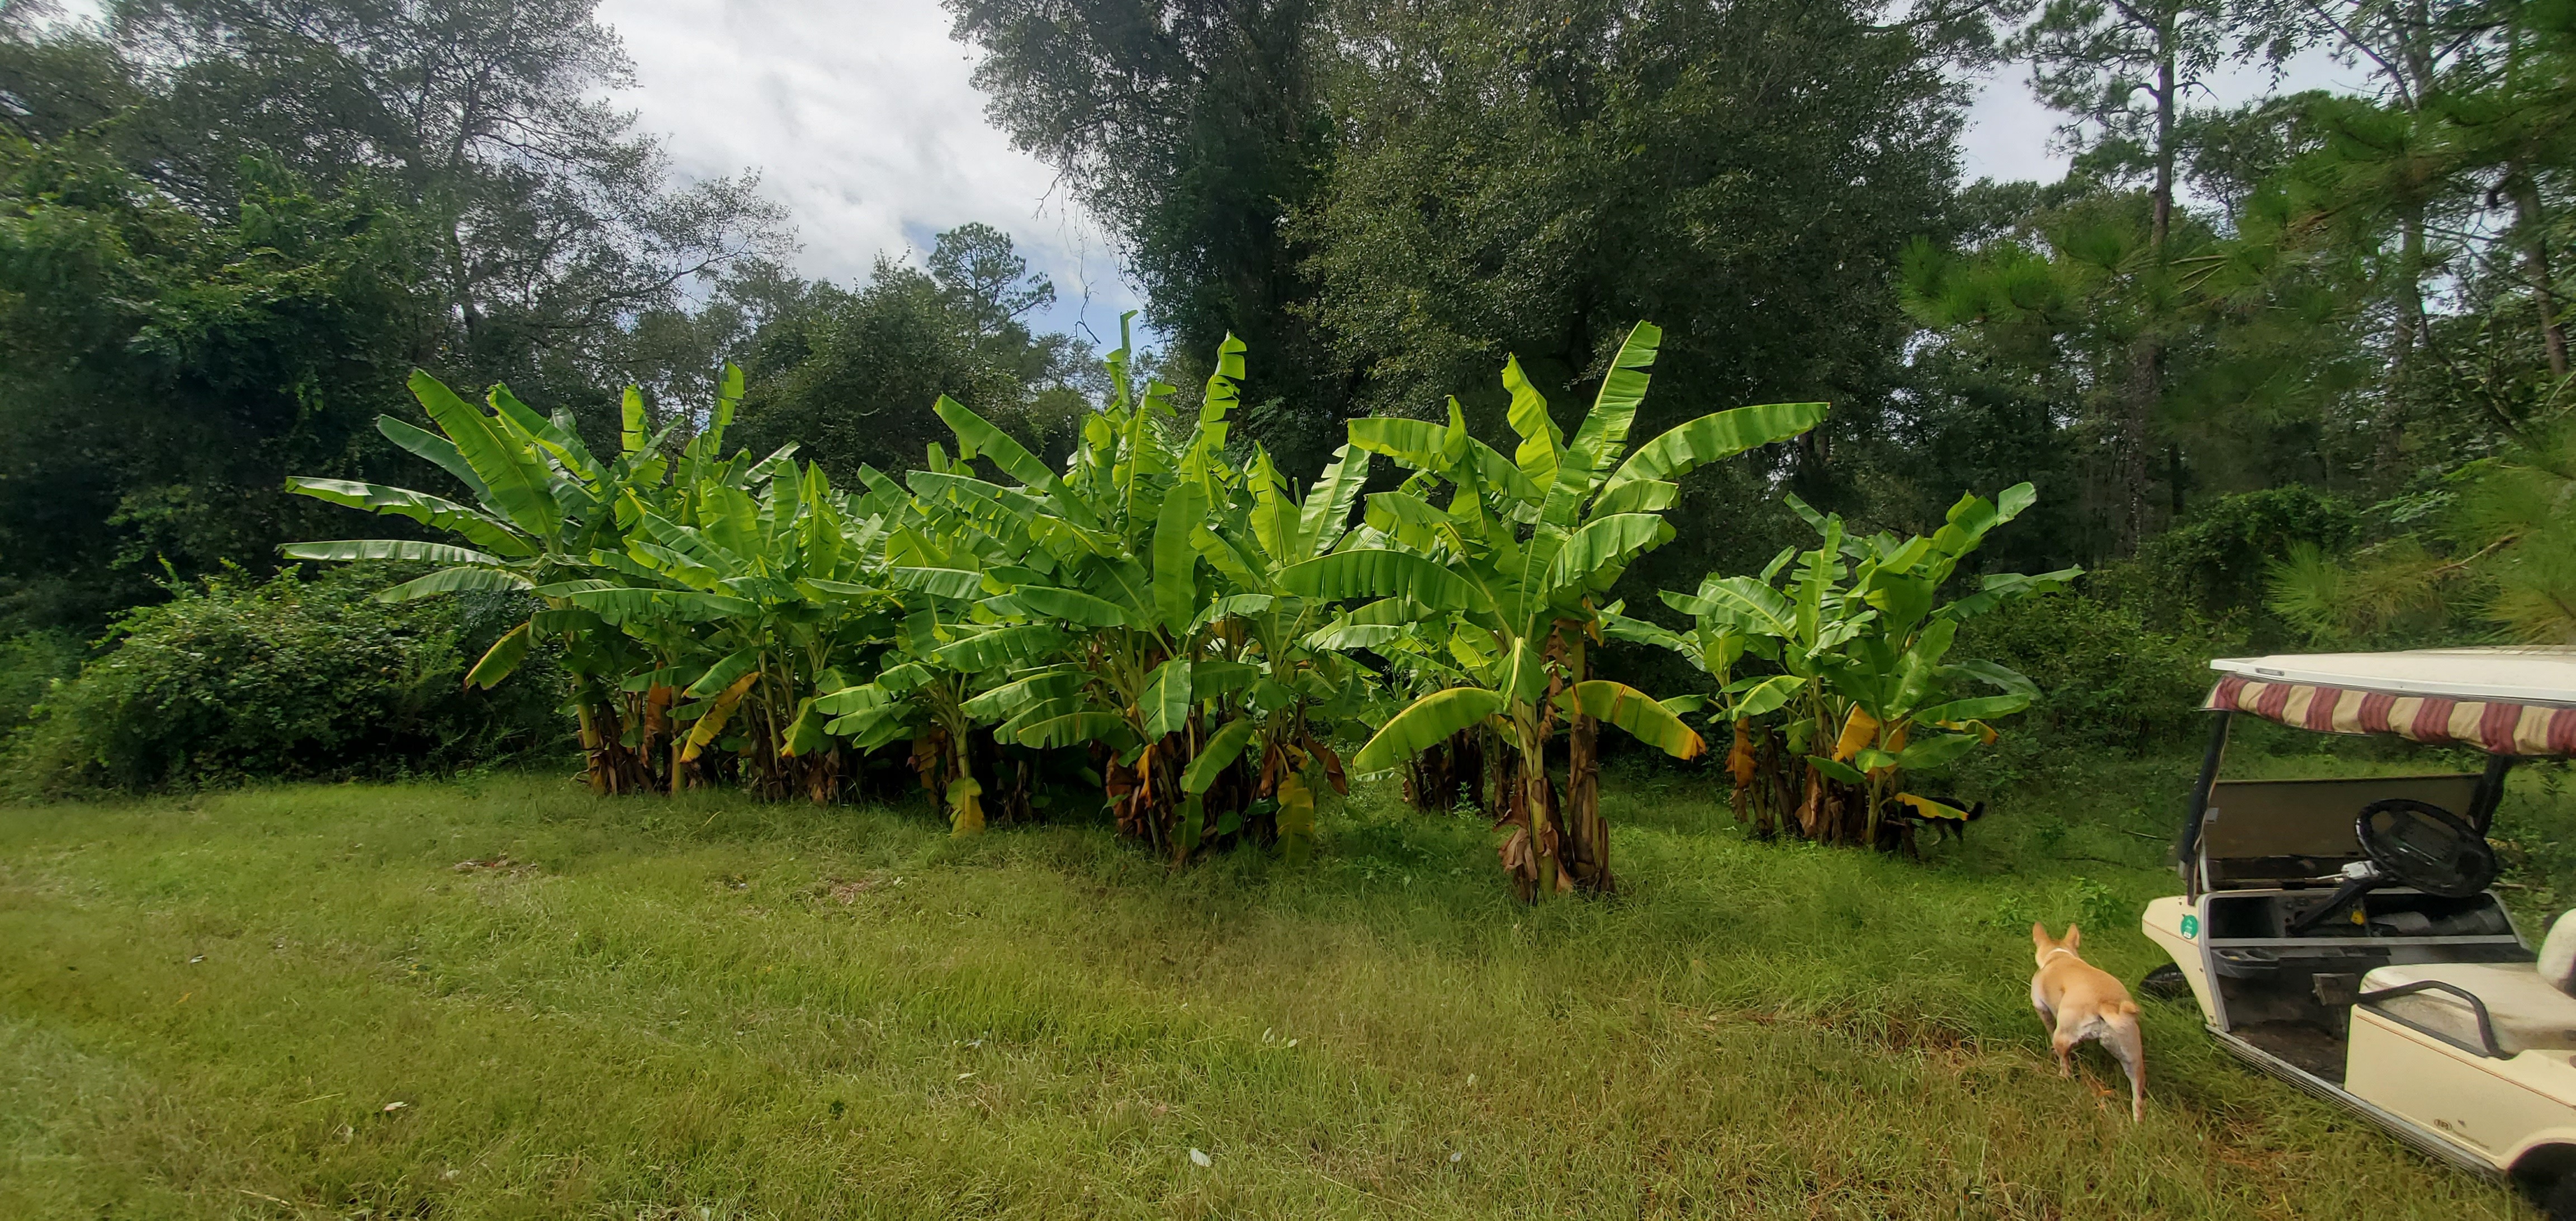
point(2411, 843)
point(2422, 845)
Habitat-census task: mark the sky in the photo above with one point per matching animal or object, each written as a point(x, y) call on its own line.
point(861, 119)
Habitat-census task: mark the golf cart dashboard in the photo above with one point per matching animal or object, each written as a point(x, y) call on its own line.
point(2270, 918)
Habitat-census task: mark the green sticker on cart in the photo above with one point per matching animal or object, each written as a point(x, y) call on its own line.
point(2191, 927)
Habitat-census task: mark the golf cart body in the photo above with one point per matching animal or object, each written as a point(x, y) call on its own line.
point(2314, 958)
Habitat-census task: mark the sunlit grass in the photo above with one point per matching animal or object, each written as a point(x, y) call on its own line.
point(296, 1002)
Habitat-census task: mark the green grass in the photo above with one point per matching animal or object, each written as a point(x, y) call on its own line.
point(294, 1002)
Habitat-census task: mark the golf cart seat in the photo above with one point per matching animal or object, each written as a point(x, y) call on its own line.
point(2523, 1010)
point(2528, 1005)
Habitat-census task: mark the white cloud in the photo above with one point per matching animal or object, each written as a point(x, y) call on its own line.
point(861, 120)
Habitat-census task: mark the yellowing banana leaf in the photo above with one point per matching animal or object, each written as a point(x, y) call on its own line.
point(1426, 723)
point(1928, 808)
point(1859, 730)
point(1296, 818)
point(1628, 708)
point(713, 722)
point(965, 807)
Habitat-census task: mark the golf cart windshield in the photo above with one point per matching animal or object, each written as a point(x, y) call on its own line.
point(2508, 702)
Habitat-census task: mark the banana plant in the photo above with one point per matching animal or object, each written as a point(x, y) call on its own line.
point(1153, 553)
point(543, 504)
point(754, 600)
point(1858, 644)
point(1515, 564)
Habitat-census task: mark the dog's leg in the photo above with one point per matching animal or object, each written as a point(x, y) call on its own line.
point(2039, 1002)
point(2131, 1051)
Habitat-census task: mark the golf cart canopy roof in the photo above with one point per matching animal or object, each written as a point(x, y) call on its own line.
point(2504, 701)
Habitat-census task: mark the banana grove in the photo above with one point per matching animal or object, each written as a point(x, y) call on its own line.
point(1163, 628)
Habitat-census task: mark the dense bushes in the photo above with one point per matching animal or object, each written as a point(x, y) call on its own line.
point(234, 678)
point(2106, 679)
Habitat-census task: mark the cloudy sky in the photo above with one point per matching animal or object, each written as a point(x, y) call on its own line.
point(860, 118)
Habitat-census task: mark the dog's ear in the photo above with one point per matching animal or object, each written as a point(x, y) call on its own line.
point(2074, 937)
point(2039, 935)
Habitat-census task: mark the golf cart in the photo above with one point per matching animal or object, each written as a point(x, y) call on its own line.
point(2341, 934)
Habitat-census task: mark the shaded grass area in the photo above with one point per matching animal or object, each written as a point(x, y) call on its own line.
point(302, 1002)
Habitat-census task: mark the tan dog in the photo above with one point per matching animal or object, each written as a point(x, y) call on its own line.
point(2079, 1001)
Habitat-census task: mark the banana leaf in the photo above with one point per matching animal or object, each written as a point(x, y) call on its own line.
point(1712, 438)
point(454, 581)
point(1426, 723)
point(1215, 755)
point(1636, 712)
point(388, 549)
point(1381, 573)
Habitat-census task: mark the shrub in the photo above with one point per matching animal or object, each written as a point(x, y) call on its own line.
point(2216, 564)
point(29, 665)
point(2106, 679)
point(234, 678)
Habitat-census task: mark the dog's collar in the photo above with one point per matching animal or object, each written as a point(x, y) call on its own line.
point(2059, 950)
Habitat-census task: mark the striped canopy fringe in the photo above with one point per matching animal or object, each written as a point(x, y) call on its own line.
point(2496, 728)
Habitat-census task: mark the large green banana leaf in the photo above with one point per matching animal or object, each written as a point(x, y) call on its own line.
point(1594, 554)
point(420, 507)
point(456, 580)
point(1711, 438)
point(1426, 723)
point(517, 482)
point(388, 549)
point(1381, 573)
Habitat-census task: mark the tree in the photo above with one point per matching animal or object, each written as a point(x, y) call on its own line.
point(1529, 178)
point(1193, 129)
point(2120, 70)
point(543, 221)
point(166, 372)
point(851, 375)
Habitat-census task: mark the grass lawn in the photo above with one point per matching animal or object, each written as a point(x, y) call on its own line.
point(296, 1002)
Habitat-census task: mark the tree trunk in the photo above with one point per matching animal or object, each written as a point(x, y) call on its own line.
point(2145, 390)
point(2531, 220)
point(1587, 841)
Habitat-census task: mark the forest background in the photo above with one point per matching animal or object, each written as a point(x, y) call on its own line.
point(2255, 358)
